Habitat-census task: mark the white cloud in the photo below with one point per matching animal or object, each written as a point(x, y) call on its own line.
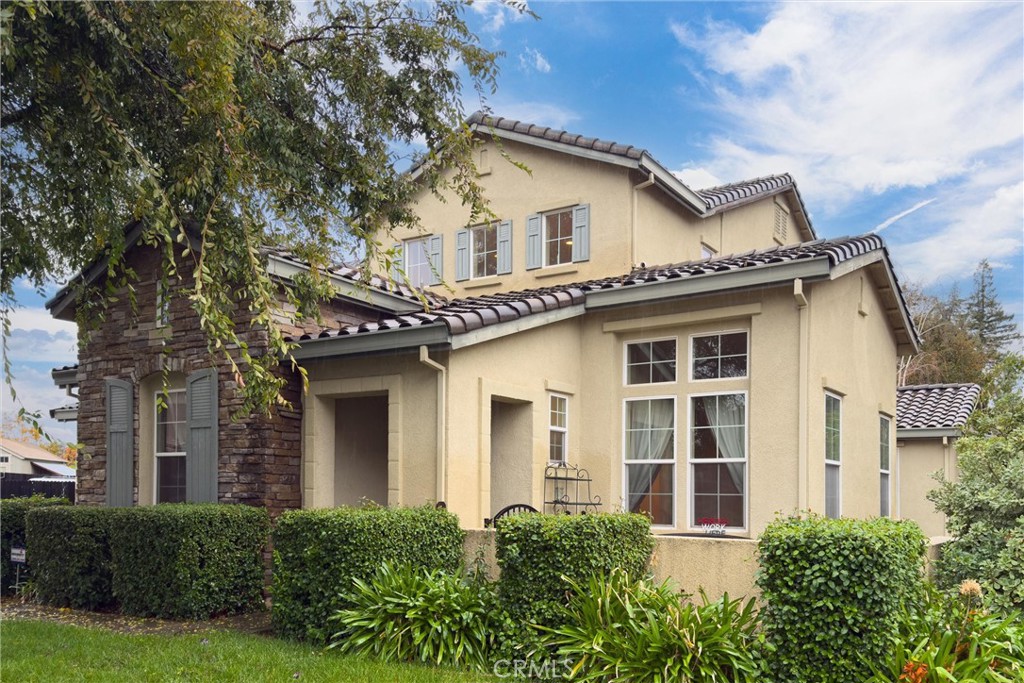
point(698, 178)
point(42, 347)
point(864, 97)
point(531, 59)
point(495, 13)
point(40, 319)
point(972, 232)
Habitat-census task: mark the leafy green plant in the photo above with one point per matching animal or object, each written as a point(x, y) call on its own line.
point(833, 590)
point(405, 614)
point(945, 639)
point(318, 553)
point(187, 561)
point(71, 555)
point(13, 512)
point(621, 630)
point(536, 551)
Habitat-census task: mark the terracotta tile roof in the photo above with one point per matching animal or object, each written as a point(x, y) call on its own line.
point(554, 135)
point(471, 313)
point(935, 406)
point(745, 190)
point(357, 278)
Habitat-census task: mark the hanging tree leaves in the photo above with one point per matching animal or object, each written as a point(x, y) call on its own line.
point(238, 121)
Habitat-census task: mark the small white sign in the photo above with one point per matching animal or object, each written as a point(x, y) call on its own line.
point(17, 555)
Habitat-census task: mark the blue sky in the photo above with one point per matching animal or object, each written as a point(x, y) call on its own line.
point(905, 118)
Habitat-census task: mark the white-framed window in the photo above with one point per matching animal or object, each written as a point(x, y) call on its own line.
point(651, 362)
point(884, 432)
point(558, 237)
point(650, 457)
point(718, 459)
point(171, 430)
point(707, 252)
point(558, 427)
point(722, 355)
point(484, 250)
point(417, 262)
point(833, 455)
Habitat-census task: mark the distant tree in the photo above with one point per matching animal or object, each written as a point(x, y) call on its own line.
point(985, 506)
point(949, 352)
point(985, 317)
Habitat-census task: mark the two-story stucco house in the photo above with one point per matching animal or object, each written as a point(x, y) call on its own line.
point(751, 372)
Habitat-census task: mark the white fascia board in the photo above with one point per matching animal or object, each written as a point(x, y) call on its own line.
point(64, 414)
point(65, 378)
point(674, 186)
point(516, 326)
point(760, 276)
point(367, 295)
point(927, 432)
point(364, 343)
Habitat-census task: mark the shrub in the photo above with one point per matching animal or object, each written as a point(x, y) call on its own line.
point(12, 532)
point(535, 551)
point(318, 554)
point(187, 561)
point(947, 638)
point(71, 556)
point(620, 630)
point(404, 614)
point(833, 590)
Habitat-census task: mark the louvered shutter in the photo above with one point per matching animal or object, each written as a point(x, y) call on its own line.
point(581, 233)
point(436, 255)
point(504, 247)
point(201, 447)
point(462, 255)
point(120, 443)
point(534, 243)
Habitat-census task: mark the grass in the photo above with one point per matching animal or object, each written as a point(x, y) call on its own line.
point(38, 651)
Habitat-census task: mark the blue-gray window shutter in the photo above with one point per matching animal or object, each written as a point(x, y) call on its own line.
point(201, 446)
point(436, 256)
point(581, 233)
point(120, 443)
point(534, 242)
point(396, 261)
point(504, 247)
point(462, 255)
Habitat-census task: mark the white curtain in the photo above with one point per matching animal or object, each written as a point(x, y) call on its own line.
point(727, 415)
point(648, 439)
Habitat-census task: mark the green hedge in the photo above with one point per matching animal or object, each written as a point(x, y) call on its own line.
point(534, 552)
point(187, 561)
point(71, 556)
point(12, 532)
point(318, 553)
point(833, 590)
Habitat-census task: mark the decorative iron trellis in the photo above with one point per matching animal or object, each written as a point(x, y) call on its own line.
point(567, 490)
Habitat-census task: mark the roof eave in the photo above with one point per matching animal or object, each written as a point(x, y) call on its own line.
point(381, 341)
point(927, 432)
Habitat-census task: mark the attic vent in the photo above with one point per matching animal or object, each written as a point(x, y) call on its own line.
point(781, 224)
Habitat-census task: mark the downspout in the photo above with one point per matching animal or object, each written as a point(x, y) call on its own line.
point(804, 373)
point(442, 436)
point(636, 201)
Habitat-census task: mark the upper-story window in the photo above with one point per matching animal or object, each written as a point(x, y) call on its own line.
point(483, 251)
point(651, 362)
point(719, 356)
point(558, 237)
point(707, 252)
point(420, 260)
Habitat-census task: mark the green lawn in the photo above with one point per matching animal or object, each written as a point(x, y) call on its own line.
point(38, 651)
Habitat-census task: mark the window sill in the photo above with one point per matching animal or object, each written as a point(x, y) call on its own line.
point(480, 283)
point(555, 271)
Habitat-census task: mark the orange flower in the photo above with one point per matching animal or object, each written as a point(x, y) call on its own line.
point(914, 672)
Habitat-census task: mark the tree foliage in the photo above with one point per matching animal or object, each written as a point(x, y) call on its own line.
point(985, 507)
point(991, 325)
point(240, 121)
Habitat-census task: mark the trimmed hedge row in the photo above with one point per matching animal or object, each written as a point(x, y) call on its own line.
point(318, 553)
point(171, 561)
point(833, 590)
point(536, 551)
point(12, 532)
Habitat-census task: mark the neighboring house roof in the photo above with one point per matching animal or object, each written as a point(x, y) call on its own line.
point(29, 452)
point(812, 260)
point(931, 410)
point(58, 469)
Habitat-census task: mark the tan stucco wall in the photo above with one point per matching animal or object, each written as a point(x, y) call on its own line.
point(918, 460)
